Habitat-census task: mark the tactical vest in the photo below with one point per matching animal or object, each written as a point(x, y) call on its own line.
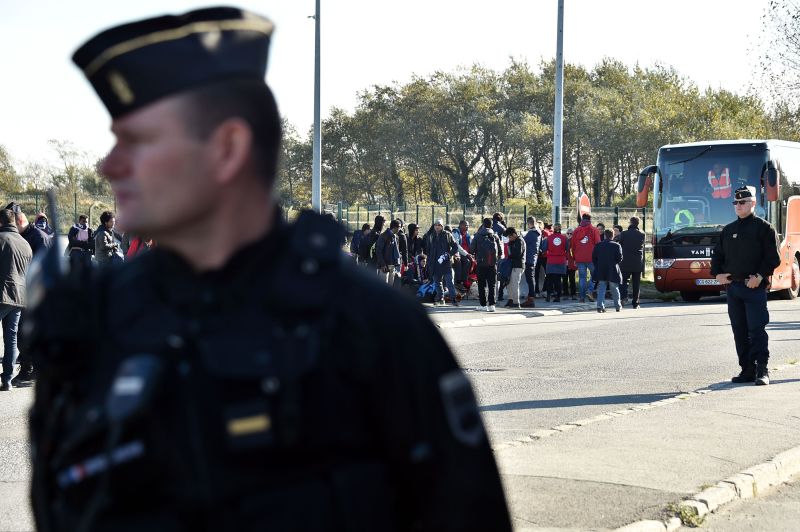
point(215, 401)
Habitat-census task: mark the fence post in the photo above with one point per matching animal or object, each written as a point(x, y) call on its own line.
point(433, 213)
point(446, 214)
point(465, 211)
point(36, 199)
point(416, 220)
point(616, 215)
point(379, 209)
point(525, 217)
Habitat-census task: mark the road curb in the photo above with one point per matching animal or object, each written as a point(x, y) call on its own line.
point(753, 482)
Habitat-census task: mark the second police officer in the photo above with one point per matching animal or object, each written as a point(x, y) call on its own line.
point(743, 261)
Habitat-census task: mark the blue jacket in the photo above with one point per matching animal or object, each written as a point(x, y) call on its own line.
point(533, 239)
point(606, 257)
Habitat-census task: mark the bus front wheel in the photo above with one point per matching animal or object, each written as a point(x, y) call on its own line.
point(794, 288)
point(691, 297)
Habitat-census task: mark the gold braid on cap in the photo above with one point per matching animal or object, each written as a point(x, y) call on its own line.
point(251, 24)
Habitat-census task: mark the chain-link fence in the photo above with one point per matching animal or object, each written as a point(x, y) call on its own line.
point(353, 217)
point(68, 207)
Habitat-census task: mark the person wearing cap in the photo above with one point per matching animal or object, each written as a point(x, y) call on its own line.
point(241, 376)
point(743, 261)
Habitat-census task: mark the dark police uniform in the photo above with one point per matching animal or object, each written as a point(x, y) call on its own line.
point(748, 246)
point(275, 393)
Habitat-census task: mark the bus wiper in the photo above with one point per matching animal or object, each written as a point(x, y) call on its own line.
point(691, 158)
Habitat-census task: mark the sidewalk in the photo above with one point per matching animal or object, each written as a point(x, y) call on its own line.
point(625, 466)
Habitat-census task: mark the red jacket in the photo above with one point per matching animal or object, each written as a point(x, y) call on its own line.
point(557, 249)
point(583, 241)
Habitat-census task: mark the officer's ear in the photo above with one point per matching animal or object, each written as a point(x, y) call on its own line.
point(230, 149)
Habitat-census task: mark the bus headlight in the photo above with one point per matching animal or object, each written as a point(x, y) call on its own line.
point(663, 264)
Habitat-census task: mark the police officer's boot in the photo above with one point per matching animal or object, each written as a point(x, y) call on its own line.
point(762, 375)
point(25, 376)
point(748, 374)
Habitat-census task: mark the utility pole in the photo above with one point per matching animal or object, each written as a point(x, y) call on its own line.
point(558, 119)
point(316, 165)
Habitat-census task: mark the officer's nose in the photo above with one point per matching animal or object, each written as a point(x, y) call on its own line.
point(115, 165)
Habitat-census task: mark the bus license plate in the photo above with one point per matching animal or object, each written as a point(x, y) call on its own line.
point(706, 282)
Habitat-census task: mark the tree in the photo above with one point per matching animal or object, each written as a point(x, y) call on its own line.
point(10, 181)
point(779, 57)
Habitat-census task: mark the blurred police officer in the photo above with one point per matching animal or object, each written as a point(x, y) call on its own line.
point(743, 260)
point(229, 384)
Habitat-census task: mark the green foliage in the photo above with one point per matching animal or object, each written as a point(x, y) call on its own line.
point(9, 179)
point(480, 137)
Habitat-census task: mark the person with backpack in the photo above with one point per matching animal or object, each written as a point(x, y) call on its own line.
point(584, 238)
point(487, 250)
point(366, 248)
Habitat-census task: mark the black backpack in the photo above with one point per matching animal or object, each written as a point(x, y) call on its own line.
point(366, 248)
point(486, 250)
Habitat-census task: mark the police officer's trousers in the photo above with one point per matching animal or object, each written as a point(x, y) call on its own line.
point(747, 308)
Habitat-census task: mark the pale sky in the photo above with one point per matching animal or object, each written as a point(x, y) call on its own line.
point(364, 42)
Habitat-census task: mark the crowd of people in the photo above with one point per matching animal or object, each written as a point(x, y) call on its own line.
point(20, 240)
point(582, 263)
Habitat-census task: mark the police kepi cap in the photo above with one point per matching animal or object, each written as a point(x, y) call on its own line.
point(745, 192)
point(137, 63)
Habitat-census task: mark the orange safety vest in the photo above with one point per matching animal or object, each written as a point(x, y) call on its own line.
point(721, 186)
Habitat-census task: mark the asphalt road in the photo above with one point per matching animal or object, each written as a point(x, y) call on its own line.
point(552, 370)
point(532, 375)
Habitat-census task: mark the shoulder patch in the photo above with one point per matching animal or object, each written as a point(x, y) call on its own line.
point(461, 408)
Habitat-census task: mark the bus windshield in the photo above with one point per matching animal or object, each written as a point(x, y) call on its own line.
point(695, 192)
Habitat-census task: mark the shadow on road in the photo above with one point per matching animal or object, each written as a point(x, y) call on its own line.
point(579, 401)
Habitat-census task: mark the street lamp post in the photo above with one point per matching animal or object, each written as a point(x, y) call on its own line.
point(558, 119)
point(316, 165)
